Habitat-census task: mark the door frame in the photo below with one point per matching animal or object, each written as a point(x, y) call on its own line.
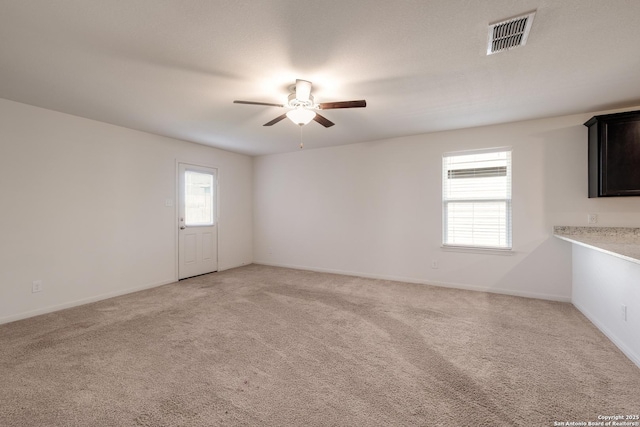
point(176, 222)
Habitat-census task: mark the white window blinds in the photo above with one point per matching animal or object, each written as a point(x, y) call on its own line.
point(476, 199)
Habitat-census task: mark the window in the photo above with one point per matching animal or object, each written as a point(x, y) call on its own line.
point(476, 199)
point(198, 198)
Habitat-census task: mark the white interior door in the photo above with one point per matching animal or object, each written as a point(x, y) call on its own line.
point(197, 220)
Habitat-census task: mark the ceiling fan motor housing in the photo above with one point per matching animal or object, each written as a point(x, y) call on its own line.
point(294, 102)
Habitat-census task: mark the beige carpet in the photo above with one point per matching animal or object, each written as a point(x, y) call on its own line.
point(270, 346)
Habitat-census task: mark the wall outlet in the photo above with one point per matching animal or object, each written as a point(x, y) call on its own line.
point(592, 218)
point(36, 286)
point(623, 312)
point(434, 264)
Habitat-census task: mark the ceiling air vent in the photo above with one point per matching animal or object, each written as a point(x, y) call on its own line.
point(505, 35)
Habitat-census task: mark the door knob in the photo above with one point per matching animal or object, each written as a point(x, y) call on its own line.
point(183, 227)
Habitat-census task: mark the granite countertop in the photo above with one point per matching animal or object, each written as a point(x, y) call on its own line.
point(622, 242)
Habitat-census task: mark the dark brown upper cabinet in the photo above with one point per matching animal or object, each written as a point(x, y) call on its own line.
point(614, 155)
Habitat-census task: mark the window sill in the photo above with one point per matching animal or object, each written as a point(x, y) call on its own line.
point(477, 250)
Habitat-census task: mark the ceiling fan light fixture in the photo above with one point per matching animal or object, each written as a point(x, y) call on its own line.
point(301, 116)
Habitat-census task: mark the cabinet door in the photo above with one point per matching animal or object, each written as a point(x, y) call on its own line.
point(620, 157)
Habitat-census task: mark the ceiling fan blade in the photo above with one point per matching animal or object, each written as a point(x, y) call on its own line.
point(323, 121)
point(276, 120)
point(342, 104)
point(268, 104)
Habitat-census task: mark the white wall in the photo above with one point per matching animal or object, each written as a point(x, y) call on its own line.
point(83, 209)
point(602, 283)
point(374, 209)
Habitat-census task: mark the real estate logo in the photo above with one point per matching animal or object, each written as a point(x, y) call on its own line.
point(604, 420)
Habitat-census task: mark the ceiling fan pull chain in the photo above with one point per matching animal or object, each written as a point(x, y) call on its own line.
point(301, 143)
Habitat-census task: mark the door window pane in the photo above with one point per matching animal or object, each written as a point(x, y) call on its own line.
point(199, 196)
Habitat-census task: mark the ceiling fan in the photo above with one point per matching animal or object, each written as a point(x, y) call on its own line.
point(301, 104)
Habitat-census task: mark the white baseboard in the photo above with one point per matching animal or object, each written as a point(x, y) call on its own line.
point(58, 307)
point(230, 266)
point(635, 358)
point(467, 287)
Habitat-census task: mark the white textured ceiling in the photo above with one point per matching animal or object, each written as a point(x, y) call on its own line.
point(174, 67)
